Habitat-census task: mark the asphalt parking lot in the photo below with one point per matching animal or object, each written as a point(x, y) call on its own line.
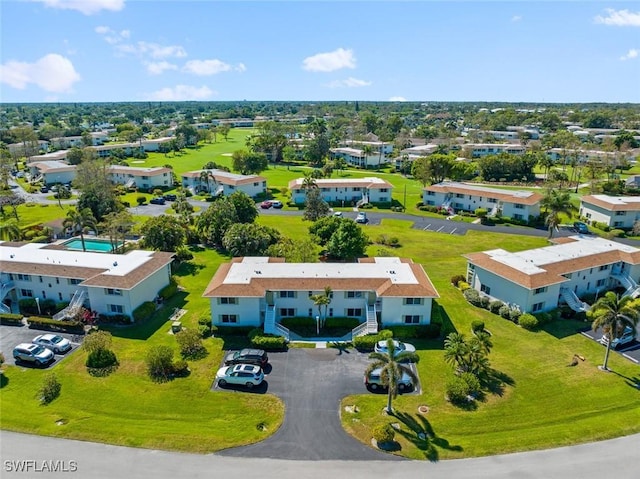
point(631, 350)
point(11, 336)
point(312, 382)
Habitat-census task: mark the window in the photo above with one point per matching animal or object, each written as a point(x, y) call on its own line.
point(411, 319)
point(431, 193)
point(354, 294)
point(459, 195)
point(431, 202)
point(518, 206)
point(113, 292)
point(23, 277)
point(44, 295)
point(310, 312)
point(60, 296)
point(228, 301)
point(57, 280)
point(383, 190)
point(538, 307)
point(40, 278)
point(287, 294)
point(116, 308)
point(413, 300)
point(604, 267)
point(485, 289)
point(27, 293)
point(256, 183)
point(621, 213)
point(74, 281)
point(354, 312)
point(228, 318)
point(331, 312)
point(540, 290)
point(492, 200)
point(516, 216)
point(600, 282)
point(618, 223)
point(287, 312)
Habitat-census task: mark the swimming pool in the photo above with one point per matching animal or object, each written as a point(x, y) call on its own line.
point(91, 244)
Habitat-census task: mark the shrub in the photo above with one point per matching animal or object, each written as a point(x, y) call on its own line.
point(50, 389)
point(141, 200)
point(28, 306)
point(472, 296)
point(10, 319)
point(484, 302)
point(232, 330)
point(616, 233)
point(457, 390)
point(455, 279)
point(166, 292)
point(472, 382)
point(429, 331)
point(268, 342)
point(159, 363)
point(543, 318)
point(101, 359)
point(477, 326)
point(98, 340)
point(190, 343)
point(495, 306)
point(144, 311)
point(405, 332)
point(368, 341)
point(528, 322)
point(180, 368)
point(514, 315)
point(505, 311)
point(383, 433)
point(183, 254)
point(1, 361)
point(204, 330)
point(463, 286)
point(337, 322)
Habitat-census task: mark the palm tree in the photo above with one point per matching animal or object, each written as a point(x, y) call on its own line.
point(392, 369)
point(328, 293)
point(613, 314)
point(309, 181)
point(556, 202)
point(79, 220)
point(204, 178)
point(10, 230)
point(319, 300)
point(455, 350)
point(367, 151)
point(468, 356)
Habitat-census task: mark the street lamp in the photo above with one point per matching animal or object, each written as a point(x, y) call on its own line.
point(38, 305)
point(318, 325)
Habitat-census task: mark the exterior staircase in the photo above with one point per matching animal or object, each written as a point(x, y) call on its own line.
point(73, 308)
point(573, 301)
point(446, 205)
point(270, 319)
point(632, 288)
point(370, 326)
point(362, 201)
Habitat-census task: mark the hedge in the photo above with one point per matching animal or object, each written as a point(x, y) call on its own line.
point(269, 342)
point(368, 342)
point(144, 311)
point(428, 331)
point(36, 322)
point(168, 291)
point(9, 319)
point(232, 330)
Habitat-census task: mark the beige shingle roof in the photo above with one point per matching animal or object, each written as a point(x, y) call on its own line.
point(523, 197)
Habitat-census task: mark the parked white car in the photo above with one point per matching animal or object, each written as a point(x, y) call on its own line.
point(54, 342)
point(628, 335)
point(247, 375)
point(32, 353)
point(381, 347)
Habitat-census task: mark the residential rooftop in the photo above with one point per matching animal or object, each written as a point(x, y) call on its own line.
point(613, 203)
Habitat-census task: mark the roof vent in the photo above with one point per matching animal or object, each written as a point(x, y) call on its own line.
point(13, 255)
point(115, 263)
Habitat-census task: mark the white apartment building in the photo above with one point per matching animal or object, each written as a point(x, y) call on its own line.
point(220, 182)
point(348, 190)
point(615, 211)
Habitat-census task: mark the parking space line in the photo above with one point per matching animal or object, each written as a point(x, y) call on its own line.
point(439, 229)
point(453, 231)
point(630, 358)
point(426, 227)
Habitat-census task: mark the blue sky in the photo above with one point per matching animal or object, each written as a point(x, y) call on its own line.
point(141, 50)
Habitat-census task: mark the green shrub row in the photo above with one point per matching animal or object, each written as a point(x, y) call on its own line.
point(232, 330)
point(368, 342)
point(144, 311)
point(427, 331)
point(169, 290)
point(36, 322)
point(268, 342)
point(9, 319)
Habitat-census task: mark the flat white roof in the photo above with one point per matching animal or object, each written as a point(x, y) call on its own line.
point(618, 200)
point(532, 261)
point(114, 264)
point(484, 189)
point(259, 267)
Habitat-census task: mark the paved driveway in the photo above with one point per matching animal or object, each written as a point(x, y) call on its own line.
point(311, 382)
point(11, 336)
point(631, 350)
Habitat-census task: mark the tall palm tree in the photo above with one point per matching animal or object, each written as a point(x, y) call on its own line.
point(392, 369)
point(78, 220)
point(367, 151)
point(613, 314)
point(309, 181)
point(204, 178)
point(468, 356)
point(319, 300)
point(555, 202)
point(328, 293)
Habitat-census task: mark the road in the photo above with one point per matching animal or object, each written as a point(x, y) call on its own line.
point(614, 458)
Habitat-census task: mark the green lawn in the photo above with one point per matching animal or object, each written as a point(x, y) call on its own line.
point(127, 408)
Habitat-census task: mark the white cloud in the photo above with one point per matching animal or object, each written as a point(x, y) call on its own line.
point(397, 98)
point(111, 36)
point(240, 68)
point(632, 53)
point(516, 18)
point(182, 93)
point(206, 67)
point(619, 18)
point(330, 61)
point(348, 83)
point(156, 68)
point(52, 73)
point(152, 50)
point(88, 7)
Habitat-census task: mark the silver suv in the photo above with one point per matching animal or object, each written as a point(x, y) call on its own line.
point(374, 382)
point(33, 353)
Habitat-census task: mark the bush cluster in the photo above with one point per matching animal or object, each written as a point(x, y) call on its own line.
point(477, 326)
point(144, 311)
point(231, 330)
point(427, 331)
point(455, 279)
point(269, 342)
point(159, 363)
point(204, 327)
point(461, 387)
point(472, 296)
point(190, 343)
point(168, 291)
point(101, 358)
point(528, 322)
point(9, 319)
